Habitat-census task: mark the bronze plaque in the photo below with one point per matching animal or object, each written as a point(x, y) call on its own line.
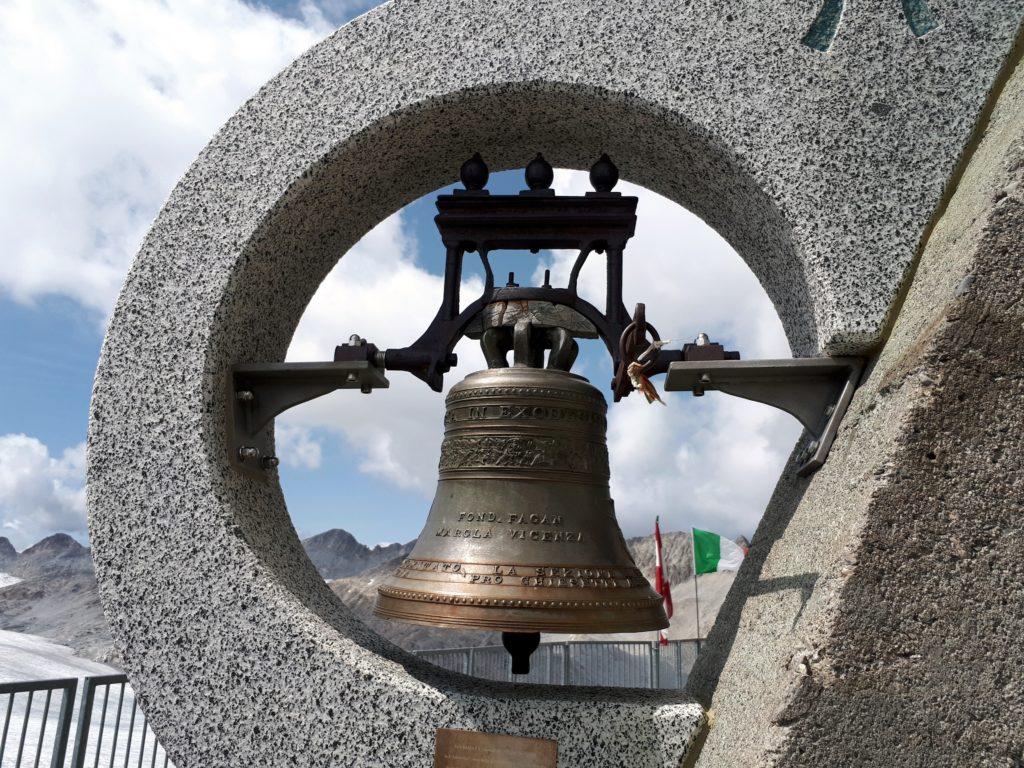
point(472, 749)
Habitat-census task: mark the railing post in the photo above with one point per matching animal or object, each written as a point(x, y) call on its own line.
point(655, 655)
point(470, 661)
point(679, 664)
point(60, 739)
point(566, 666)
point(24, 728)
point(84, 721)
point(7, 724)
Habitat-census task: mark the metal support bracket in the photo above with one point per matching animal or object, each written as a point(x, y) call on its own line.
point(259, 392)
point(816, 390)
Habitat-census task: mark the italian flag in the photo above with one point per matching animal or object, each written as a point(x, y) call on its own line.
point(712, 552)
point(661, 582)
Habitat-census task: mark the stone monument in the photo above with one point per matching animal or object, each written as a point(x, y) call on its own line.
point(863, 158)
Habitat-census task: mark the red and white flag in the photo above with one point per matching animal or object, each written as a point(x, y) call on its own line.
point(661, 583)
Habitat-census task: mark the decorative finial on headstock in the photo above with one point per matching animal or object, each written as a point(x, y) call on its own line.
point(539, 175)
point(474, 174)
point(604, 175)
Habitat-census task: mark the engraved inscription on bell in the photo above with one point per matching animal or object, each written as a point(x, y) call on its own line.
point(565, 454)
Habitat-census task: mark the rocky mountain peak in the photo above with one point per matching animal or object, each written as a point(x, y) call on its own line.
point(337, 553)
point(7, 552)
point(677, 555)
point(337, 539)
point(56, 554)
point(57, 544)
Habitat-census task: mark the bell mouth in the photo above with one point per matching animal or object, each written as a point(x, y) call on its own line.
point(553, 615)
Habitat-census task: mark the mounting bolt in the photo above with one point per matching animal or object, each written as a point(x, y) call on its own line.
point(702, 340)
point(245, 396)
point(351, 378)
point(829, 410)
point(269, 462)
point(366, 389)
point(698, 388)
point(355, 340)
point(810, 450)
point(248, 452)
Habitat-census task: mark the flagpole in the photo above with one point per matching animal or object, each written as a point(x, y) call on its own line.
point(657, 632)
point(696, 596)
point(662, 585)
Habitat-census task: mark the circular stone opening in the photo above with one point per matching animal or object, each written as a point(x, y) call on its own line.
point(359, 472)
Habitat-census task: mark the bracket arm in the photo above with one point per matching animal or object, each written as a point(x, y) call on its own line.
point(259, 392)
point(817, 391)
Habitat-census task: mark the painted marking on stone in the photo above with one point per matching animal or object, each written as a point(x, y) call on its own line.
point(825, 26)
point(919, 16)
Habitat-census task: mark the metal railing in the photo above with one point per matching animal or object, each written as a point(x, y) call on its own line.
point(37, 733)
point(631, 664)
point(31, 720)
point(39, 717)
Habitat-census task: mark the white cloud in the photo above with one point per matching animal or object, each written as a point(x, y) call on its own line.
point(379, 291)
point(105, 104)
point(711, 462)
point(40, 493)
point(686, 274)
point(297, 446)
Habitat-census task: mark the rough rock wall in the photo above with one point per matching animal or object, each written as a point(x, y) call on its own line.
point(882, 610)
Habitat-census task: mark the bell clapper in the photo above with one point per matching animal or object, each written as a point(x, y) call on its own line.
point(520, 646)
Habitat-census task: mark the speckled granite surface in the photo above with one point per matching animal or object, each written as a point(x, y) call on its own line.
point(821, 167)
point(878, 616)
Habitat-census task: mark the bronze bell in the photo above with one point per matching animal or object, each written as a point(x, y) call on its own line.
point(522, 535)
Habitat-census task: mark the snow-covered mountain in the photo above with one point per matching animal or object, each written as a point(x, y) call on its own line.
point(6, 580)
point(55, 596)
point(29, 657)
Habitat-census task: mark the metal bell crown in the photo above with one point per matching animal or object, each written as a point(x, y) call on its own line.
point(522, 535)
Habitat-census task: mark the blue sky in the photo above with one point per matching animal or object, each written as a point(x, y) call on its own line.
point(102, 107)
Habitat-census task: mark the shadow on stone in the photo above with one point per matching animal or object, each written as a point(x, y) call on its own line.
point(787, 496)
